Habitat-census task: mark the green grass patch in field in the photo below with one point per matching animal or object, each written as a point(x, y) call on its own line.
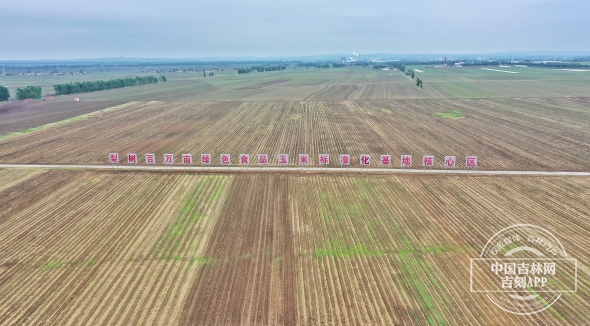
point(186, 218)
point(451, 114)
point(419, 289)
point(385, 110)
point(174, 238)
point(364, 188)
point(244, 256)
point(217, 192)
point(55, 264)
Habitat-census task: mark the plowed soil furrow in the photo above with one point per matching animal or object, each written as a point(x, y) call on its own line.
point(26, 193)
point(125, 247)
point(249, 247)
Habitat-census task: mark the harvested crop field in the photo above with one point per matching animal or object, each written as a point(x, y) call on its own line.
point(505, 134)
point(122, 248)
point(18, 116)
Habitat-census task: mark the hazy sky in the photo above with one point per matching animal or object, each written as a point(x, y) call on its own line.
point(33, 29)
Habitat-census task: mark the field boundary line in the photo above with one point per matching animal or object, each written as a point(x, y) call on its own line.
point(294, 169)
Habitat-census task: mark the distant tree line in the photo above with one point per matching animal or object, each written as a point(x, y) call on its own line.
point(565, 65)
point(99, 85)
point(410, 73)
point(260, 69)
point(4, 94)
point(268, 68)
point(28, 92)
point(319, 65)
point(338, 65)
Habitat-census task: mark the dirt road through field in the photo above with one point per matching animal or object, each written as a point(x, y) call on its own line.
point(294, 169)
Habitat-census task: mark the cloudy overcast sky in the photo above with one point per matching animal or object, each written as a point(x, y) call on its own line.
point(68, 29)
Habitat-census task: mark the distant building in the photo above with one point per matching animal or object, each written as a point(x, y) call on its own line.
point(76, 99)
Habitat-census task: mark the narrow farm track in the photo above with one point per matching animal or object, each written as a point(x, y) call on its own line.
point(287, 170)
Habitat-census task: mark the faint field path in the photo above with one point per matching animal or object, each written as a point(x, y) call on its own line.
point(233, 169)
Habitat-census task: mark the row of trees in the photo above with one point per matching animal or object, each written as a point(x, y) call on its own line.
point(410, 73)
point(28, 92)
point(268, 68)
point(260, 69)
point(99, 85)
point(565, 65)
point(4, 94)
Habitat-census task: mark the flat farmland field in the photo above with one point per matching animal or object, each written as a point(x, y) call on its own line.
point(23, 115)
point(317, 85)
point(326, 85)
point(503, 82)
point(85, 246)
point(136, 248)
point(505, 134)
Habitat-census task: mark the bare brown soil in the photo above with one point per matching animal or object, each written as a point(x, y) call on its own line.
point(126, 248)
point(22, 115)
point(251, 277)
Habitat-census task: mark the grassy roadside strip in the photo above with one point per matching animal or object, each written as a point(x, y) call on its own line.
point(59, 123)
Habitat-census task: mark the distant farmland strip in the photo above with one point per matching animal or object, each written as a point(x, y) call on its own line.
point(261, 85)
